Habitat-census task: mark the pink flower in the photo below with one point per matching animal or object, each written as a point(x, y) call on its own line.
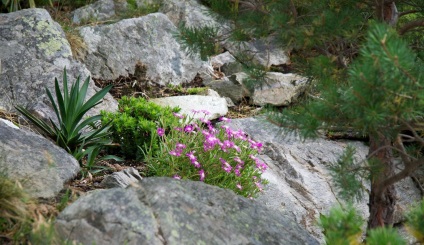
point(255, 145)
point(180, 116)
point(180, 146)
point(261, 165)
point(239, 186)
point(176, 176)
point(237, 159)
point(160, 132)
point(188, 128)
point(224, 119)
point(196, 164)
point(175, 153)
point(202, 175)
point(206, 112)
point(225, 165)
point(237, 169)
point(191, 156)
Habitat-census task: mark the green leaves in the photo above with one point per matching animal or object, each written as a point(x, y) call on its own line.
point(76, 135)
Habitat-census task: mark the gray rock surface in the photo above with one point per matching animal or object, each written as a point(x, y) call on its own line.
point(230, 88)
point(168, 211)
point(97, 11)
point(226, 63)
point(300, 184)
point(121, 179)
point(191, 12)
point(262, 51)
point(40, 165)
point(34, 51)
point(279, 89)
point(216, 106)
point(114, 50)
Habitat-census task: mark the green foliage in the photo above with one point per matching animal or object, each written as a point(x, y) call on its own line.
point(415, 221)
point(220, 157)
point(134, 11)
point(15, 5)
point(203, 41)
point(135, 123)
point(385, 236)
point(78, 136)
point(342, 226)
point(14, 213)
point(383, 90)
point(345, 176)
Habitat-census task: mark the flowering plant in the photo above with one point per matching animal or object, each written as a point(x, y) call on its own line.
point(218, 156)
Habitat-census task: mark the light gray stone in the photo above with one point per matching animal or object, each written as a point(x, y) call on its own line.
point(279, 89)
point(216, 106)
point(97, 11)
point(121, 179)
point(168, 211)
point(230, 88)
point(38, 164)
point(34, 51)
point(9, 123)
point(191, 12)
point(300, 183)
point(264, 52)
point(226, 63)
point(114, 50)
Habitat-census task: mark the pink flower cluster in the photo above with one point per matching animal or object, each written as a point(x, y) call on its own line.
point(212, 144)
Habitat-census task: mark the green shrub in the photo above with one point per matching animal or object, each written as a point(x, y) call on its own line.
point(216, 156)
point(386, 235)
point(77, 135)
point(341, 226)
point(135, 123)
point(415, 221)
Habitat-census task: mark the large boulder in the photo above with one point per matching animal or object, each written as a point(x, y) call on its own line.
point(39, 165)
point(34, 51)
point(168, 211)
point(300, 182)
point(114, 50)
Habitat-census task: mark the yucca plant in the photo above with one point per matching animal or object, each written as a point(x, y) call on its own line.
point(77, 135)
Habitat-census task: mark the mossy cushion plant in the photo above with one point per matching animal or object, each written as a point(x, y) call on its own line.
point(134, 124)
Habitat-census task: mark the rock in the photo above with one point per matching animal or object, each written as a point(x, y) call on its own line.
point(121, 179)
point(262, 51)
point(216, 106)
point(97, 11)
point(230, 88)
point(279, 89)
point(9, 123)
point(168, 211)
point(226, 63)
point(300, 184)
point(34, 51)
point(40, 166)
point(115, 49)
point(191, 12)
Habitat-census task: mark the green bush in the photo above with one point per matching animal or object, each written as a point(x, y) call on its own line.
point(220, 157)
point(415, 221)
point(341, 226)
point(135, 123)
point(385, 235)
